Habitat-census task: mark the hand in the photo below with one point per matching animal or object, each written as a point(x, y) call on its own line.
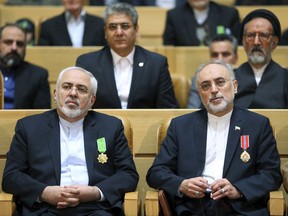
point(223, 188)
point(60, 196)
point(86, 193)
point(194, 187)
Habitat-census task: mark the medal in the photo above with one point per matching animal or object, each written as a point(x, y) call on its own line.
point(102, 158)
point(101, 144)
point(245, 157)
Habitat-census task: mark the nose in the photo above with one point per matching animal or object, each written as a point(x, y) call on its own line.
point(214, 87)
point(73, 91)
point(256, 40)
point(14, 45)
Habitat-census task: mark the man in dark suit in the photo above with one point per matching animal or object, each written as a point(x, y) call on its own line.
point(129, 76)
point(263, 84)
point(221, 160)
point(195, 22)
point(26, 85)
point(74, 27)
point(70, 161)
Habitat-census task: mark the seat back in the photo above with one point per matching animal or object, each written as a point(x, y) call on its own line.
point(181, 85)
point(127, 130)
point(162, 131)
point(1, 91)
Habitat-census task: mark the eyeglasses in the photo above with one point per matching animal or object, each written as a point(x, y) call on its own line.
point(123, 26)
point(219, 83)
point(262, 36)
point(79, 89)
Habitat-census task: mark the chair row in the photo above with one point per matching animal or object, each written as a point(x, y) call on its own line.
point(145, 139)
point(182, 62)
point(150, 35)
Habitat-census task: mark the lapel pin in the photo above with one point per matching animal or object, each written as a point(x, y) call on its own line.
point(141, 64)
point(237, 128)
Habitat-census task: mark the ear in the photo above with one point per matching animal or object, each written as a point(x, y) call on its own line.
point(235, 86)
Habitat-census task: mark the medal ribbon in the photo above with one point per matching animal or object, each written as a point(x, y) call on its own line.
point(244, 142)
point(101, 144)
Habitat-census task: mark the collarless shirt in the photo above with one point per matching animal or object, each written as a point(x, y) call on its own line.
point(73, 161)
point(75, 28)
point(217, 136)
point(258, 73)
point(123, 70)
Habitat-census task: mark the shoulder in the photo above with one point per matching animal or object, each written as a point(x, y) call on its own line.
point(94, 18)
point(149, 54)
point(32, 69)
point(38, 119)
point(103, 118)
point(52, 20)
point(250, 116)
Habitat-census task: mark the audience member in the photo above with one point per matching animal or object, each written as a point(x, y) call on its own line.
point(223, 47)
point(129, 76)
point(196, 21)
point(33, 2)
point(74, 27)
point(263, 84)
point(159, 3)
point(26, 85)
point(221, 160)
point(78, 162)
point(285, 176)
point(261, 2)
point(29, 27)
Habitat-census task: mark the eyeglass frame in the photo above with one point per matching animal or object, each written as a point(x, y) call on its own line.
point(80, 89)
point(218, 83)
point(262, 36)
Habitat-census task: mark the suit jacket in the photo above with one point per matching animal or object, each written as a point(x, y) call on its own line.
point(182, 156)
point(32, 90)
point(33, 161)
point(180, 27)
point(134, 2)
point(151, 85)
point(54, 32)
point(271, 93)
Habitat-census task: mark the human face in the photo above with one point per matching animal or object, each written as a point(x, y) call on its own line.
point(218, 98)
point(199, 4)
point(12, 43)
point(120, 33)
point(74, 95)
point(259, 48)
point(223, 50)
point(73, 6)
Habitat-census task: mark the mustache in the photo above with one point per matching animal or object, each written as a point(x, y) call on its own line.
point(257, 49)
point(73, 100)
point(11, 59)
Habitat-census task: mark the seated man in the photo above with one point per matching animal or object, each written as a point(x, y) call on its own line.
point(195, 22)
point(74, 27)
point(70, 161)
point(26, 85)
point(223, 47)
point(130, 77)
point(221, 160)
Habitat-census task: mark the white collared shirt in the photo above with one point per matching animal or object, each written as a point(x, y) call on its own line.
point(76, 28)
point(201, 15)
point(217, 136)
point(123, 76)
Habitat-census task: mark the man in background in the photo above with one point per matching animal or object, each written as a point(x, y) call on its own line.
point(197, 21)
point(262, 83)
point(75, 27)
point(26, 85)
point(222, 47)
point(129, 76)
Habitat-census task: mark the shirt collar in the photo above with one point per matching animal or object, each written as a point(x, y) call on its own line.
point(68, 15)
point(116, 57)
point(71, 124)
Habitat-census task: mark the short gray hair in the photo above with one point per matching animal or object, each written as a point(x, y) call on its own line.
point(93, 80)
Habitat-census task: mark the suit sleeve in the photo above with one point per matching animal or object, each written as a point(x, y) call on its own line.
point(44, 36)
point(16, 179)
point(169, 34)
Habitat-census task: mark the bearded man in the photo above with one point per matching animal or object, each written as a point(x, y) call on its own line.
point(262, 83)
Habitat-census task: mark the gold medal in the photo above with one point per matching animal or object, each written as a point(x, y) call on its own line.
point(245, 157)
point(102, 158)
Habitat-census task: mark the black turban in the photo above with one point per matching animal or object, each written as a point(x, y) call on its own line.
point(262, 13)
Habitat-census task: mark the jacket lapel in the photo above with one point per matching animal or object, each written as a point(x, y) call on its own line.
point(54, 144)
point(235, 131)
point(137, 74)
point(90, 129)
